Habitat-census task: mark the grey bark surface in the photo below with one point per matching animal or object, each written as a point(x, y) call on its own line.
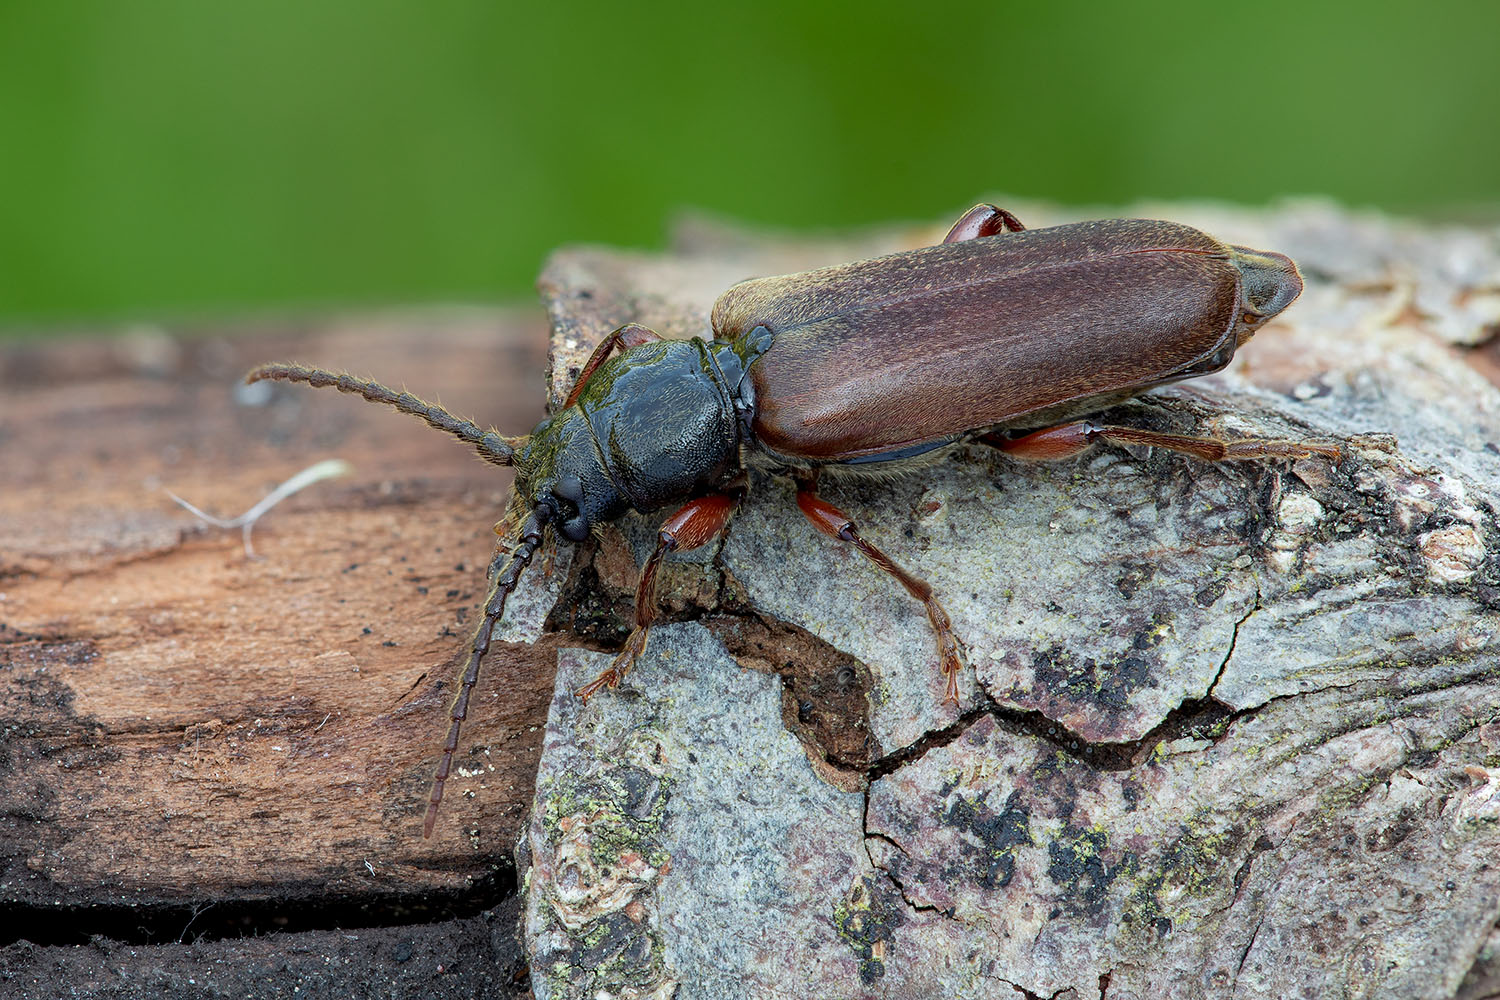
point(1227, 730)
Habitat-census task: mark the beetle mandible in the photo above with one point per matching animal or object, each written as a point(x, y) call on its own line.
point(1000, 333)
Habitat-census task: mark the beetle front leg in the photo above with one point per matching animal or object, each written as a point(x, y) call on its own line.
point(694, 525)
point(628, 336)
point(1053, 444)
point(836, 524)
point(983, 220)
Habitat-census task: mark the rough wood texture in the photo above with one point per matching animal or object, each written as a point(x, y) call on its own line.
point(1229, 730)
point(187, 728)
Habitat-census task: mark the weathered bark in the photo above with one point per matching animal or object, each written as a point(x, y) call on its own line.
point(1229, 730)
point(195, 741)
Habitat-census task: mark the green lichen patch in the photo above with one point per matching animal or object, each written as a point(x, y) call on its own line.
point(614, 951)
point(1195, 866)
point(988, 849)
point(624, 808)
point(867, 920)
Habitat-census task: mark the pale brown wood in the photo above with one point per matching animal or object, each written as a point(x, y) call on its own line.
point(182, 722)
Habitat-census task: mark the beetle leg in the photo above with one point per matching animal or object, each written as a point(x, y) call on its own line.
point(982, 220)
point(836, 524)
point(695, 524)
point(1066, 440)
point(627, 336)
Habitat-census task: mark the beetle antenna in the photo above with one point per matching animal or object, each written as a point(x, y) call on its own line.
point(494, 607)
point(491, 445)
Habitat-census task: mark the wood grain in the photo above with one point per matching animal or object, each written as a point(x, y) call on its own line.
point(184, 723)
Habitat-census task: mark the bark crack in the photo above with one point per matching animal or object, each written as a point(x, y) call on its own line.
point(1234, 639)
point(870, 835)
point(1028, 994)
point(1245, 954)
point(932, 740)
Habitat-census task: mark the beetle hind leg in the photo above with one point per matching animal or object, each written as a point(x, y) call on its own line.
point(983, 220)
point(836, 524)
point(1053, 444)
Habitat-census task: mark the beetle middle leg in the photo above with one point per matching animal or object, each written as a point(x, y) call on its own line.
point(836, 524)
point(1053, 444)
point(694, 525)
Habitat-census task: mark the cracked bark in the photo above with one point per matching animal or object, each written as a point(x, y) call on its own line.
point(1228, 730)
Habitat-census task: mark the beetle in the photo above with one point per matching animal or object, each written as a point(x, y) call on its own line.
point(999, 333)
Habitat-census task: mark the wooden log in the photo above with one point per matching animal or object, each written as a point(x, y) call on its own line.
point(186, 725)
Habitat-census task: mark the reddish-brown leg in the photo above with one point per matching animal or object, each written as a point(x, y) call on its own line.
point(695, 524)
point(983, 220)
point(1066, 440)
point(628, 336)
point(836, 524)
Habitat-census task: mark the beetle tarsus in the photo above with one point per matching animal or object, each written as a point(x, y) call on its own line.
point(611, 677)
point(949, 658)
point(836, 524)
point(1252, 450)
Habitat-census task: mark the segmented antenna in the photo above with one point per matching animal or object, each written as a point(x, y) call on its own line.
point(491, 445)
point(494, 607)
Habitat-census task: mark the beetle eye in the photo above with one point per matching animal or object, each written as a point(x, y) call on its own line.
point(568, 493)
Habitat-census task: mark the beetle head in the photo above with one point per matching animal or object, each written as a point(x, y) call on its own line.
point(1269, 283)
point(561, 477)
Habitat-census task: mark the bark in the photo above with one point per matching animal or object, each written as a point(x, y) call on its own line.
point(1228, 730)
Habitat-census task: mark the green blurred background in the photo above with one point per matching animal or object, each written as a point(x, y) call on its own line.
point(171, 158)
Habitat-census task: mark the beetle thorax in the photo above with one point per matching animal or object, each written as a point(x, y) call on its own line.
point(663, 421)
point(654, 425)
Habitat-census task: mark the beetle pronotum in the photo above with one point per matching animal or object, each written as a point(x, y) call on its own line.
point(999, 333)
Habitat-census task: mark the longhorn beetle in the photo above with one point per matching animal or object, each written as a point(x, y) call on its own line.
point(1000, 333)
